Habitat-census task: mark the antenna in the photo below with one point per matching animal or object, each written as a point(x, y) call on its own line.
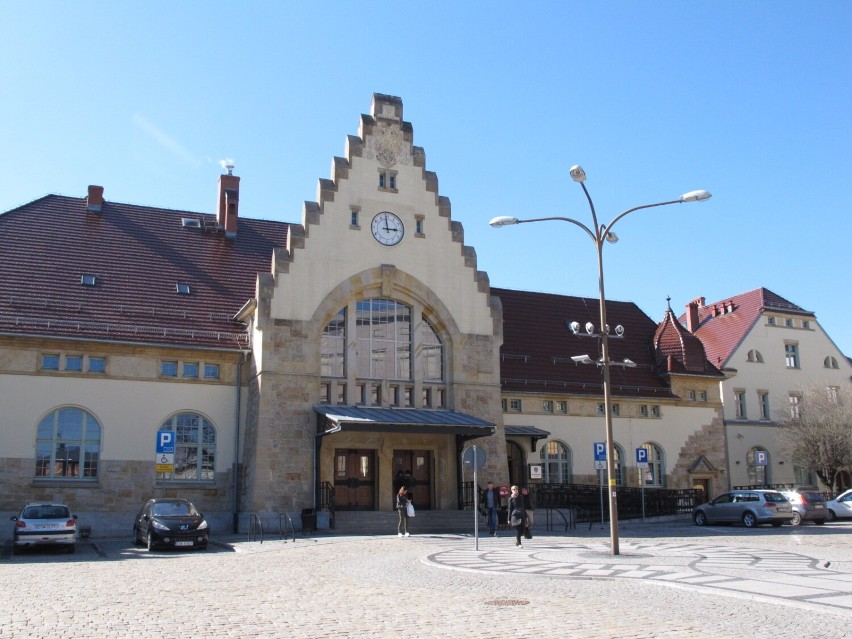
point(227, 165)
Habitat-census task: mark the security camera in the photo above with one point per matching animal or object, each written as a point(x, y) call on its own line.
point(575, 327)
point(619, 330)
point(629, 363)
point(590, 328)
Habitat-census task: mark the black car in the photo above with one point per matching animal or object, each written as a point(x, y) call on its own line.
point(170, 523)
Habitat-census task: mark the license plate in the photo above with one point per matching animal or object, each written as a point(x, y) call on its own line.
point(45, 526)
point(819, 506)
point(183, 543)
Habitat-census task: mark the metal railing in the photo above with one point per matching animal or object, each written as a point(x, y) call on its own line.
point(261, 524)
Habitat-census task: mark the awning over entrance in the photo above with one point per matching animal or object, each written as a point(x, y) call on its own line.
point(333, 419)
point(528, 431)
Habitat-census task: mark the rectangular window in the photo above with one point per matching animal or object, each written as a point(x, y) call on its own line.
point(418, 225)
point(168, 369)
point(324, 391)
point(341, 393)
point(382, 179)
point(788, 323)
point(702, 396)
point(97, 364)
point(73, 363)
point(562, 407)
point(392, 181)
point(547, 406)
point(643, 410)
point(740, 404)
point(190, 369)
point(600, 409)
point(427, 398)
point(655, 411)
point(794, 406)
point(50, 362)
point(515, 405)
point(616, 410)
point(791, 351)
point(806, 324)
point(763, 401)
point(690, 395)
point(353, 220)
point(771, 321)
point(211, 371)
point(504, 405)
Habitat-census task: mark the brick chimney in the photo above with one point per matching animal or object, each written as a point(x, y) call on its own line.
point(692, 316)
point(229, 203)
point(95, 199)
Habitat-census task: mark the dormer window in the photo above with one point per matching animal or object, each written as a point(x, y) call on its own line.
point(88, 280)
point(183, 288)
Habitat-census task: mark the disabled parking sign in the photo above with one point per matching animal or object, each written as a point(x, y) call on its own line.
point(165, 457)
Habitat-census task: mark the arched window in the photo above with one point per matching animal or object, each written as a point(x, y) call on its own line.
point(68, 445)
point(195, 448)
point(556, 462)
point(375, 351)
point(754, 356)
point(654, 474)
point(831, 362)
point(757, 460)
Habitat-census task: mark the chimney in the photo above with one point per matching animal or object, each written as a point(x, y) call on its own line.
point(229, 202)
point(95, 199)
point(692, 316)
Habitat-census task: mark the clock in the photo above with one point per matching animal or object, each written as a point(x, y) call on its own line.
point(387, 229)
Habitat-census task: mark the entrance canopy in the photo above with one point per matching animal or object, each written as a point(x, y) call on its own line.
point(528, 431)
point(334, 419)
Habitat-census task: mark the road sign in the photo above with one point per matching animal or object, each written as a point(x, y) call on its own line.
point(165, 458)
point(474, 457)
point(600, 451)
point(600, 465)
point(760, 458)
point(641, 457)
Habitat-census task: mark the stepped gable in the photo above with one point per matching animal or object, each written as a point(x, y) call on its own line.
point(679, 351)
point(721, 326)
point(538, 346)
point(138, 255)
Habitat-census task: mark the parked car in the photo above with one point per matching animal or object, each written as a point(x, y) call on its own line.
point(808, 505)
point(840, 507)
point(751, 507)
point(44, 524)
point(170, 523)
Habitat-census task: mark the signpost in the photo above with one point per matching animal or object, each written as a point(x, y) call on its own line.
point(642, 465)
point(600, 464)
point(474, 457)
point(165, 458)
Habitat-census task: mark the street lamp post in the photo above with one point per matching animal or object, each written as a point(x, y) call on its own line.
point(600, 233)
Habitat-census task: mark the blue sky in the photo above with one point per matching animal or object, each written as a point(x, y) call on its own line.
point(749, 100)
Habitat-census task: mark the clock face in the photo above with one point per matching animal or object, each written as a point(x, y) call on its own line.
point(387, 229)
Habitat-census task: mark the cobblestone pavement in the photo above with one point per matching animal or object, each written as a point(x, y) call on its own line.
point(670, 580)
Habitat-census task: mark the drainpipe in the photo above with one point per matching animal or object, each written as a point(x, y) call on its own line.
point(236, 465)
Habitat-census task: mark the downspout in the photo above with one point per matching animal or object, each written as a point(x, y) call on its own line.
point(236, 465)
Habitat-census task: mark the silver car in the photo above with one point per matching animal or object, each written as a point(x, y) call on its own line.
point(45, 524)
point(840, 507)
point(749, 507)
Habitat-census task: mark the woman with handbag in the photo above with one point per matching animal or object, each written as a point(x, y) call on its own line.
point(517, 515)
point(402, 504)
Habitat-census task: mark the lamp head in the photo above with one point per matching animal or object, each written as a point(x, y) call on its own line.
point(577, 173)
point(503, 220)
point(695, 196)
point(581, 359)
point(629, 363)
point(611, 237)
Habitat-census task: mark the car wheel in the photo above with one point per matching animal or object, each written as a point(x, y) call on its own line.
point(71, 549)
point(819, 522)
point(831, 515)
point(796, 520)
point(699, 518)
point(749, 520)
point(150, 542)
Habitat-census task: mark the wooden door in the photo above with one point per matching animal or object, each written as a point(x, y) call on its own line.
point(354, 479)
point(417, 463)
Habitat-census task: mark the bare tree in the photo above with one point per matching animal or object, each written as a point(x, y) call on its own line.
point(817, 433)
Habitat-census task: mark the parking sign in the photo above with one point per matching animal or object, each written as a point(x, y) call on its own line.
point(641, 457)
point(760, 458)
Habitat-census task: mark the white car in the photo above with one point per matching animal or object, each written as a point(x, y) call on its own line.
point(840, 507)
point(45, 524)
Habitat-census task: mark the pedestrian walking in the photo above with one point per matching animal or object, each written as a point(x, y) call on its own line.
point(517, 515)
point(492, 504)
point(402, 503)
point(530, 510)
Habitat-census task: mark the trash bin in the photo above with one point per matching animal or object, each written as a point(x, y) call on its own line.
point(309, 520)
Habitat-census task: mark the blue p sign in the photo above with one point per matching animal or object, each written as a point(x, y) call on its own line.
point(641, 455)
point(165, 441)
point(600, 451)
point(760, 458)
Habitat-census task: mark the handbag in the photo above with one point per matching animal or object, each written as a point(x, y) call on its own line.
point(410, 509)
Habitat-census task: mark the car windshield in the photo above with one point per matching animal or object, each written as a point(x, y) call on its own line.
point(776, 498)
point(46, 512)
point(813, 497)
point(174, 509)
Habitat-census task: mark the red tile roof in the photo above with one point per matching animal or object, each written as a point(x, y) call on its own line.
point(138, 255)
point(538, 345)
point(679, 351)
point(723, 325)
